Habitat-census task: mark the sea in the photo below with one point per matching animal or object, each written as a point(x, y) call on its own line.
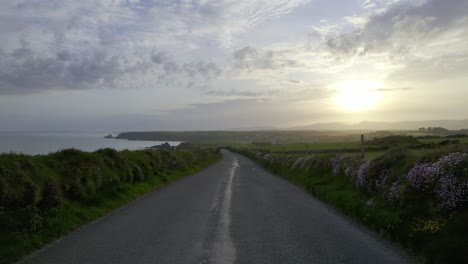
point(39, 143)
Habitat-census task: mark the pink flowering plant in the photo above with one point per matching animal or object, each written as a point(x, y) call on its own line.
point(394, 191)
point(445, 181)
point(451, 187)
point(422, 176)
point(361, 177)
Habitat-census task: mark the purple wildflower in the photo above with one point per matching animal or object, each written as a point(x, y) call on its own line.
point(336, 170)
point(381, 180)
point(443, 178)
point(334, 162)
point(360, 179)
point(451, 191)
point(450, 164)
point(350, 172)
point(370, 203)
point(421, 176)
point(394, 192)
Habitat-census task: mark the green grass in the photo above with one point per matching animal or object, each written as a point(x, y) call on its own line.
point(29, 227)
point(288, 147)
point(281, 136)
point(368, 155)
point(463, 140)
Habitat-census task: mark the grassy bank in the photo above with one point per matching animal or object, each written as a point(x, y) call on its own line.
point(47, 196)
point(417, 199)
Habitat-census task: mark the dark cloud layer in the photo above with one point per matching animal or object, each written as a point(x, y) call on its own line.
point(25, 71)
point(249, 58)
point(400, 28)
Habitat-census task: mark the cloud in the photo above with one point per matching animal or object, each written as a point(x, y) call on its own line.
point(66, 44)
point(416, 41)
point(402, 28)
point(243, 94)
point(249, 58)
point(394, 89)
point(432, 70)
point(23, 71)
point(196, 69)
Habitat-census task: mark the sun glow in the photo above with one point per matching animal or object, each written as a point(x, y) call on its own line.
point(357, 95)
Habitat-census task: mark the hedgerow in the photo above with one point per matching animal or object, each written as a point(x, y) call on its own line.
point(45, 196)
point(418, 199)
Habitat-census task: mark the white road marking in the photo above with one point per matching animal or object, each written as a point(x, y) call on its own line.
point(224, 251)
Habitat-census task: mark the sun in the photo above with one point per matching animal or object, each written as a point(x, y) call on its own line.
point(357, 95)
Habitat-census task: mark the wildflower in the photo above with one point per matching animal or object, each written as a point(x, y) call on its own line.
point(421, 176)
point(381, 180)
point(360, 179)
point(334, 162)
point(451, 163)
point(336, 170)
point(451, 191)
point(297, 163)
point(370, 203)
point(451, 188)
point(444, 178)
point(394, 192)
point(428, 225)
point(350, 172)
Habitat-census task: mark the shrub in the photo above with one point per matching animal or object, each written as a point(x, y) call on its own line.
point(362, 175)
point(50, 194)
point(138, 174)
point(447, 179)
point(422, 176)
point(393, 193)
point(3, 191)
point(75, 191)
point(29, 193)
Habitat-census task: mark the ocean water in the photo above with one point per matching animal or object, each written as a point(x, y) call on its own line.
point(44, 143)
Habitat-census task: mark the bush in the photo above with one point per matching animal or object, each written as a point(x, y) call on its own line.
point(29, 193)
point(51, 194)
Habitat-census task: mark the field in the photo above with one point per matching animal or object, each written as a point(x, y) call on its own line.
point(274, 136)
point(295, 147)
point(463, 140)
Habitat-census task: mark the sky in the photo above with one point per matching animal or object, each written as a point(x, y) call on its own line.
point(120, 65)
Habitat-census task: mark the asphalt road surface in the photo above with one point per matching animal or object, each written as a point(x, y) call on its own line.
point(232, 212)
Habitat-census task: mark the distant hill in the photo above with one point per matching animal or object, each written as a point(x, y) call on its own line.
point(263, 128)
point(369, 125)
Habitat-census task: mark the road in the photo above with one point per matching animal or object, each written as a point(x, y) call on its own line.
point(231, 212)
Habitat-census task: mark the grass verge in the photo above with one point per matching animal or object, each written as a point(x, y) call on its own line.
point(28, 227)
